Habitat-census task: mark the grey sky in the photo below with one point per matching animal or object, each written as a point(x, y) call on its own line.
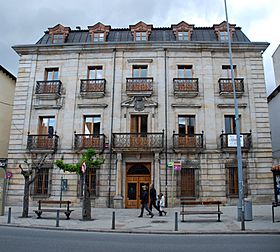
point(24, 22)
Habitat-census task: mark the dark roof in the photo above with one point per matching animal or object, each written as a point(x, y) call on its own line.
point(274, 93)
point(5, 71)
point(204, 34)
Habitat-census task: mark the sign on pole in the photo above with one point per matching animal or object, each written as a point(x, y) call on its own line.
point(177, 165)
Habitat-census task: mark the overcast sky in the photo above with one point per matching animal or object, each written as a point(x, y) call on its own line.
point(24, 21)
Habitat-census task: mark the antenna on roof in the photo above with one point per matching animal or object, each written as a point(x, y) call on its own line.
point(78, 28)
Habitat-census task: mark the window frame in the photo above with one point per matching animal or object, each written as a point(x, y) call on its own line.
point(140, 36)
point(187, 71)
point(42, 188)
point(96, 71)
point(93, 124)
point(142, 69)
point(98, 37)
point(183, 35)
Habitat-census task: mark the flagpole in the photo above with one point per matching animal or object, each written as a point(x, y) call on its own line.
point(240, 206)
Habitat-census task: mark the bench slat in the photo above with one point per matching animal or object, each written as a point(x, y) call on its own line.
point(200, 212)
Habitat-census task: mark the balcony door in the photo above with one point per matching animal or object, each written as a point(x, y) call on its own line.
point(91, 138)
point(186, 128)
point(139, 129)
point(46, 131)
point(51, 76)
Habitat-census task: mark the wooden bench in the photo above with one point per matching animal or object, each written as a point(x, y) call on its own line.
point(61, 206)
point(186, 204)
point(274, 204)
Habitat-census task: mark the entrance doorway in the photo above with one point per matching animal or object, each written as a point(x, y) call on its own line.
point(137, 175)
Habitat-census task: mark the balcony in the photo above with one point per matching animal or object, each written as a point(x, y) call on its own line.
point(188, 142)
point(139, 86)
point(226, 88)
point(93, 87)
point(86, 141)
point(185, 87)
point(42, 143)
point(48, 89)
point(138, 141)
point(229, 143)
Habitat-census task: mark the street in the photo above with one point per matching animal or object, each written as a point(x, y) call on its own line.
point(14, 239)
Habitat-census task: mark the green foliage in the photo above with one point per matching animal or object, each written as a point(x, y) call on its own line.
point(88, 157)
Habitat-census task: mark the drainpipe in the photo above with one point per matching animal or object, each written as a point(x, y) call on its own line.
point(165, 152)
point(111, 125)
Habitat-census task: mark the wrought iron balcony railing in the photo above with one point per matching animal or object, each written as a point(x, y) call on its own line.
point(85, 141)
point(42, 142)
point(188, 141)
point(48, 87)
point(138, 141)
point(185, 85)
point(225, 85)
point(92, 86)
point(139, 85)
point(229, 141)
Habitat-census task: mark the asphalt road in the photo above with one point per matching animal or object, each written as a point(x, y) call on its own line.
point(30, 240)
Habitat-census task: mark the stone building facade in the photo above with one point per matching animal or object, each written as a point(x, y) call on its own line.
point(148, 100)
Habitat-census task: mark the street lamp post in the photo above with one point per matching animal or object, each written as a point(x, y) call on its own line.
point(237, 126)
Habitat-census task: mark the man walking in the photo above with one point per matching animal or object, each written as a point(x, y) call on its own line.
point(144, 202)
point(153, 199)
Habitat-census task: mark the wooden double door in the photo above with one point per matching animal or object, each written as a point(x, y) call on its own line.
point(137, 175)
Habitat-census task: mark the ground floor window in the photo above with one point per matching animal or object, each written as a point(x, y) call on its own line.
point(91, 182)
point(41, 184)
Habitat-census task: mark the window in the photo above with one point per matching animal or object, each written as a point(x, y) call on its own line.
point(98, 37)
point(226, 72)
point(41, 184)
point(51, 74)
point(230, 126)
point(92, 124)
point(188, 179)
point(139, 124)
point(139, 71)
point(91, 183)
point(183, 36)
point(58, 38)
point(184, 71)
point(186, 125)
point(223, 36)
point(45, 124)
point(141, 36)
point(95, 72)
point(233, 181)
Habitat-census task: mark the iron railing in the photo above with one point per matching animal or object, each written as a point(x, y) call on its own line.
point(92, 85)
point(48, 87)
point(229, 141)
point(42, 142)
point(185, 85)
point(225, 85)
point(189, 141)
point(139, 84)
point(138, 140)
point(85, 141)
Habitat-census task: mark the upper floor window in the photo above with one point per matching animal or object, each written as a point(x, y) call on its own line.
point(58, 38)
point(98, 37)
point(139, 124)
point(139, 71)
point(95, 72)
point(183, 35)
point(140, 36)
point(186, 125)
point(221, 31)
point(185, 71)
point(58, 34)
point(92, 124)
point(223, 35)
point(230, 124)
point(51, 74)
point(46, 125)
point(226, 71)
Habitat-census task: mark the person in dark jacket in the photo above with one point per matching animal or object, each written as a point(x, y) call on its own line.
point(144, 202)
point(153, 199)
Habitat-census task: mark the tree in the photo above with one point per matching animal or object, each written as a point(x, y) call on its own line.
point(28, 180)
point(91, 162)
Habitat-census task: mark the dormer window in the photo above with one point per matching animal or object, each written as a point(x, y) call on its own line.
point(141, 31)
point(221, 31)
point(99, 32)
point(183, 36)
point(98, 37)
point(58, 34)
point(140, 36)
point(182, 31)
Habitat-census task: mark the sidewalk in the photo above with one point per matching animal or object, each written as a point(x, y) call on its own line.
point(126, 220)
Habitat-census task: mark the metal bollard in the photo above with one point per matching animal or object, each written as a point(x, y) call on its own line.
point(176, 221)
point(57, 218)
point(113, 220)
point(9, 215)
